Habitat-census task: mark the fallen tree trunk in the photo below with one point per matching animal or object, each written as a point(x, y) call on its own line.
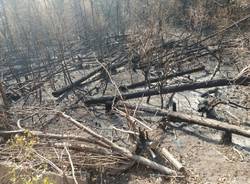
point(59, 92)
point(143, 83)
point(78, 82)
point(177, 116)
point(193, 119)
point(171, 89)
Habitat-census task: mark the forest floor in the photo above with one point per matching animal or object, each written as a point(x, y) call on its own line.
point(206, 162)
point(199, 149)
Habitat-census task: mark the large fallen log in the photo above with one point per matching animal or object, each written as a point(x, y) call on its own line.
point(177, 116)
point(170, 89)
point(193, 119)
point(143, 83)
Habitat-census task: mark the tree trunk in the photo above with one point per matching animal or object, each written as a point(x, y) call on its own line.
point(170, 89)
point(193, 119)
point(4, 97)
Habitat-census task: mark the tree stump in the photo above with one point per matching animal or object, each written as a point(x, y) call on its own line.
point(226, 138)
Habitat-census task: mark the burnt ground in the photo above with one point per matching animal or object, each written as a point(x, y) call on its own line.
point(205, 162)
point(199, 149)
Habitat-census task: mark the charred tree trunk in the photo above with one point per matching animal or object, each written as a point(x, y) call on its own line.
point(171, 89)
point(83, 79)
point(4, 97)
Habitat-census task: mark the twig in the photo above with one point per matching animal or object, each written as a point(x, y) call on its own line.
point(133, 119)
point(71, 163)
point(49, 162)
point(125, 131)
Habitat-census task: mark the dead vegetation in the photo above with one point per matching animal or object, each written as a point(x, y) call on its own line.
point(95, 90)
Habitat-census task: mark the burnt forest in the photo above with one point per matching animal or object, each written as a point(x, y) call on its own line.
point(124, 91)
